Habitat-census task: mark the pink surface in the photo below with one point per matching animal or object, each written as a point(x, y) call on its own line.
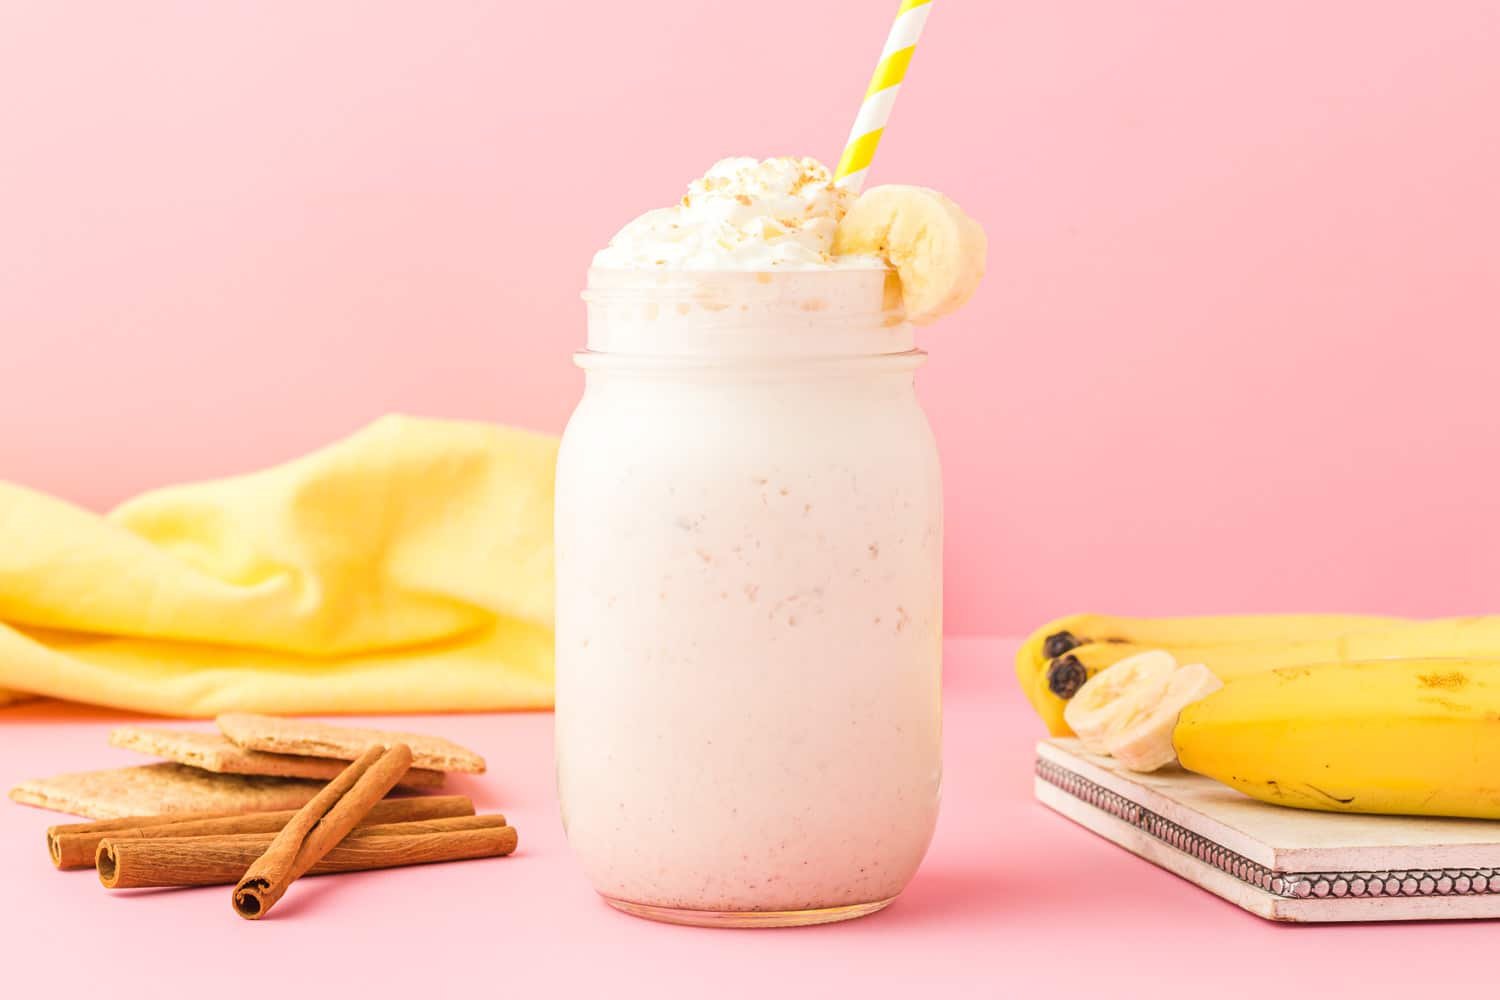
point(1012, 901)
point(1237, 349)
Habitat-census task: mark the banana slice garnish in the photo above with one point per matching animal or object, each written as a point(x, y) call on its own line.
point(938, 251)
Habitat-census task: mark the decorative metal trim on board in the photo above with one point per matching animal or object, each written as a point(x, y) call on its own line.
point(1288, 885)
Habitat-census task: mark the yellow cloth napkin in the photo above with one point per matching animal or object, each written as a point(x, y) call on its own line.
point(407, 568)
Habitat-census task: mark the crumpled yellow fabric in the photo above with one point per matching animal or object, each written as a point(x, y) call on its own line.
point(407, 568)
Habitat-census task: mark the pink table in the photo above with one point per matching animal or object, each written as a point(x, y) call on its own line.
point(1012, 901)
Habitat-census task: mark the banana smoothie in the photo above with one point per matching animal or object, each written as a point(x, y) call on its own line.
point(749, 551)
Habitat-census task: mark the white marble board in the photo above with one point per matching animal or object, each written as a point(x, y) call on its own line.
point(1279, 863)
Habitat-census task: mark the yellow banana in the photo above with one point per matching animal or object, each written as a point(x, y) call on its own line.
point(1096, 641)
point(1031, 666)
point(1064, 675)
point(1415, 736)
point(1058, 636)
point(1082, 645)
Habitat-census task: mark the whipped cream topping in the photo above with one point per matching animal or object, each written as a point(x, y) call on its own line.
point(743, 215)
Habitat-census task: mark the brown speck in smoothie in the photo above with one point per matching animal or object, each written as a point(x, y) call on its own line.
point(903, 619)
point(874, 550)
point(814, 305)
point(807, 508)
point(751, 591)
point(791, 620)
point(706, 556)
point(784, 491)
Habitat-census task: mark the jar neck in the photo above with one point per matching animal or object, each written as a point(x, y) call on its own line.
point(747, 315)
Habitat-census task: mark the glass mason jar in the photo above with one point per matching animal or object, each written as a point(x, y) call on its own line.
point(749, 598)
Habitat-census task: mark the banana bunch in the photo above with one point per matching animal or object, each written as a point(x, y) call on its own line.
point(1408, 737)
point(1412, 737)
point(1060, 657)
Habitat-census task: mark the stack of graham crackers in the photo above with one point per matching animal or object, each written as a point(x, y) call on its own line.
point(253, 763)
point(262, 802)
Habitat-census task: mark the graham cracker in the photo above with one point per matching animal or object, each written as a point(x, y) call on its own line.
point(155, 789)
point(215, 752)
point(304, 737)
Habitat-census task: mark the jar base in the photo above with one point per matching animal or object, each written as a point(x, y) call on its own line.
point(747, 918)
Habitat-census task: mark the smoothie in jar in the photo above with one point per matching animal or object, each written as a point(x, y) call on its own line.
point(749, 566)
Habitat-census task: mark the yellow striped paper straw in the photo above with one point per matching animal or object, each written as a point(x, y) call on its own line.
point(881, 95)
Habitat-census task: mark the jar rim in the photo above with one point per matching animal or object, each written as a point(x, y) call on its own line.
point(801, 313)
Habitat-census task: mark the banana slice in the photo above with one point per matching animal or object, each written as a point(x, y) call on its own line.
point(1114, 698)
point(1146, 743)
point(938, 251)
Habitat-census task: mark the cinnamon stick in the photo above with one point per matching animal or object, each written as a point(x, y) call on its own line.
point(74, 845)
point(318, 826)
point(223, 860)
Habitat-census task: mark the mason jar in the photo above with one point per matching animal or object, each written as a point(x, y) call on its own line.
point(749, 597)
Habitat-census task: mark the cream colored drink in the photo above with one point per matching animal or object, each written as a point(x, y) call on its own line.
point(749, 567)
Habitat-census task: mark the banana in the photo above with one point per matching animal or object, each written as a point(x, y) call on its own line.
point(1228, 661)
point(938, 251)
point(1211, 629)
point(1413, 736)
point(1062, 635)
point(1112, 700)
point(1062, 676)
point(1031, 666)
point(1145, 742)
point(1232, 646)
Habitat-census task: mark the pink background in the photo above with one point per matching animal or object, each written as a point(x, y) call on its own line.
point(1237, 351)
